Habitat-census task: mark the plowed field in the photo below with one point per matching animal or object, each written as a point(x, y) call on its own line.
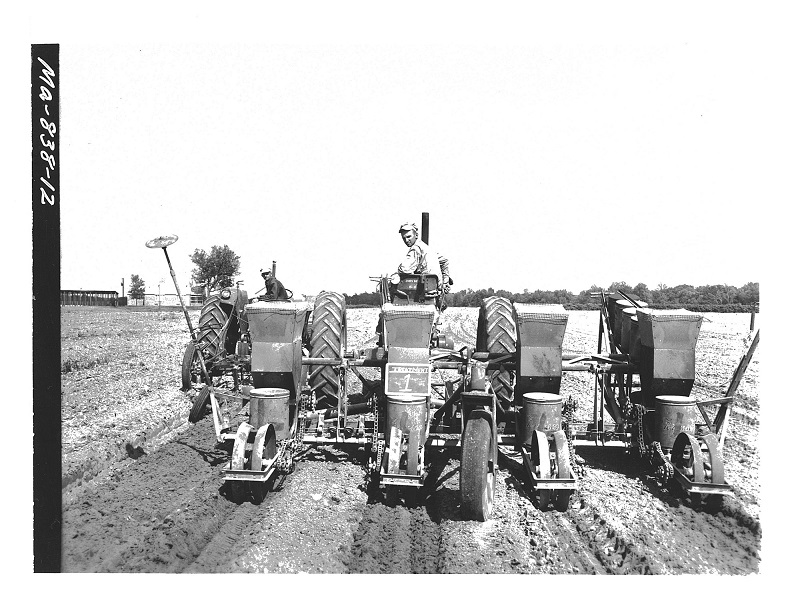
point(142, 487)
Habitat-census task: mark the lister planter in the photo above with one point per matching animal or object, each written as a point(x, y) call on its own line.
point(498, 400)
point(657, 417)
point(414, 408)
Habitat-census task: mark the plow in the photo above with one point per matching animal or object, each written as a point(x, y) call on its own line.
point(288, 363)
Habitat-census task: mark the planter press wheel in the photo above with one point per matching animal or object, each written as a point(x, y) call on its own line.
point(540, 458)
point(265, 447)
point(561, 501)
point(239, 489)
point(477, 472)
point(200, 406)
point(328, 340)
point(717, 469)
point(700, 465)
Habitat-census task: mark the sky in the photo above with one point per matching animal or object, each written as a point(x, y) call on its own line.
point(545, 162)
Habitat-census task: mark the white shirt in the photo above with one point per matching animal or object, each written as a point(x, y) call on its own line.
point(421, 259)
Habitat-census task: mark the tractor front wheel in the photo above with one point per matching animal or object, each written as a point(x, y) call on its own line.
point(477, 472)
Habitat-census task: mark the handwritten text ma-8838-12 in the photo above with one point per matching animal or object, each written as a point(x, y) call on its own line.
point(48, 138)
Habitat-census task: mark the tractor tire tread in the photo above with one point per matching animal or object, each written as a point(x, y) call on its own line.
point(497, 333)
point(328, 340)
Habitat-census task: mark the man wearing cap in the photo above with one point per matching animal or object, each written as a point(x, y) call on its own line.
point(422, 259)
point(274, 290)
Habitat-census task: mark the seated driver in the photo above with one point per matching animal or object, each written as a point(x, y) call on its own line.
point(421, 259)
point(274, 289)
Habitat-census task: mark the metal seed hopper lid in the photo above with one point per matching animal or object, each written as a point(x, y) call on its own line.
point(405, 398)
point(542, 397)
point(411, 311)
point(540, 312)
point(646, 314)
point(678, 399)
point(624, 303)
point(268, 392)
point(278, 307)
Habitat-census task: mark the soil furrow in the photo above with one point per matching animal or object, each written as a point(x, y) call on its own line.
point(161, 509)
point(382, 543)
point(216, 555)
point(588, 539)
point(157, 513)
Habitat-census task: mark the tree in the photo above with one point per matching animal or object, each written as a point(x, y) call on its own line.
point(215, 269)
point(641, 291)
point(748, 294)
point(136, 289)
point(620, 286)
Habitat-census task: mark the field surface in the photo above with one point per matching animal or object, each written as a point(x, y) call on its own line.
point(142, 486)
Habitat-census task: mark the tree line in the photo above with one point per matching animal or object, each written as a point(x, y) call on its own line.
point(710, 297)
point(218, 268)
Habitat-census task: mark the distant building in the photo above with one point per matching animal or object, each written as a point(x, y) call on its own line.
point(172, 299)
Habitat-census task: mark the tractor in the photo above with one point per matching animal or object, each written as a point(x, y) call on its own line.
point(295, 361)
point(223, 341)
point(289, 363)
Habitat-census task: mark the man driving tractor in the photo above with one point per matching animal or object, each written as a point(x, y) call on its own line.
point(420, 259)
point(274, 289)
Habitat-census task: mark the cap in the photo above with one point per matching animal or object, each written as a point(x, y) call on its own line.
point(408, 226)
point(266, 271)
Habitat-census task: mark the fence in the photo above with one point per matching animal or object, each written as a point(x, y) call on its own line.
point(81, 297)
point(112, 298)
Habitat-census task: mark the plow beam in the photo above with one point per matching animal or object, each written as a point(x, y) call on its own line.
point(721, 419)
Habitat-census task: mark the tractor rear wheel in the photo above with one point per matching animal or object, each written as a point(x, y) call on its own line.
point(328, 340)
point(209, 329)
point(497, 333)
point(477, 473)
point(211, 337)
